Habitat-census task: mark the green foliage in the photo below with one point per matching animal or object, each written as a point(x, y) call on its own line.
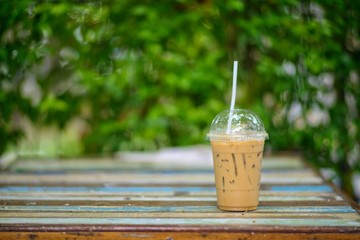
point(149, 74)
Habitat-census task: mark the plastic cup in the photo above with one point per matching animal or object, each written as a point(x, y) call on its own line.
point(237, 141)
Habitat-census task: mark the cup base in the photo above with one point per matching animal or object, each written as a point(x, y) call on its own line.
point(237, 209)
point(237, 200)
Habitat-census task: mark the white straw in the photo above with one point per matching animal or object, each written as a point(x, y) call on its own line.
point(233, 94)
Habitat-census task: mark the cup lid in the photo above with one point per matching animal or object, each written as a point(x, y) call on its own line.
point(244, 125)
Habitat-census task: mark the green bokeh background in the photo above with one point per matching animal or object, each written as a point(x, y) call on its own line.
point(142, 75)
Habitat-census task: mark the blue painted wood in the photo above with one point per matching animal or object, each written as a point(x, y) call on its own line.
point(205, 208)
point(302, 188)
point(290, 188)
point(108, 189)
point(187, 221)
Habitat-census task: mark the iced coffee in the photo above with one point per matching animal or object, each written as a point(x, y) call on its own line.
point(237, 153)
point(237, 167)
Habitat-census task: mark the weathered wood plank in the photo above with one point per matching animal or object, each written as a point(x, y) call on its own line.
point(187, 208)
point(169, 198)
point(186, 211)
point(287, 222)
point(55, 202)
point(289, 177)
point(184, 215)
point(206, 235)
point(325, 196)
point(113, 164)
point(145, 189)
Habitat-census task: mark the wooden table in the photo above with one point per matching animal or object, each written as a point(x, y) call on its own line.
point(115, 199)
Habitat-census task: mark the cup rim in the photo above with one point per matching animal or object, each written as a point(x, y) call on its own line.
point(237, 137)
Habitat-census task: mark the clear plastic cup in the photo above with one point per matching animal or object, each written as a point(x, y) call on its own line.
point(237, 141)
